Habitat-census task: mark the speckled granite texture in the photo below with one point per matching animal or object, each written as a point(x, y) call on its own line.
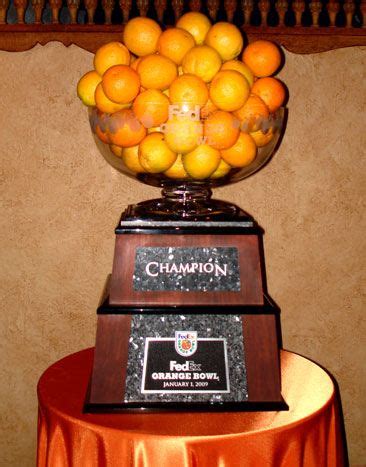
point(228, 327)
point(169, 268)
point(61, 202)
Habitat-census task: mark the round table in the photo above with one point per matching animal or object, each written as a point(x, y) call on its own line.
point(307, 435)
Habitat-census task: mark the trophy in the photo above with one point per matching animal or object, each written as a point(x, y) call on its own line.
point(185, 321)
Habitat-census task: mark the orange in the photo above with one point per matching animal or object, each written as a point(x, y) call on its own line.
point(202, 61)
point(208, 108)
point(174, 43)
point(262, 57)
point(188, 89)
point(130, 157)
point(241, 67)
point(226, 39)
point(182, 135)
point(271, 91)
point(104, 104)
point(125, 129)
point(113, 53)
point(202, 161)
point(117, 150)
point(262, 138)
point(151, 107)
point(196, 24)
point(141, 36)
point(252, 114)
point(86, 87)
point(121, 84)
point(99, 124)
point(102, 135)
point(155, 156)
point(153, 129)
point(135, 63)
point(242, 153)
point(229, 90)
point(157, 72)
point(222, 170)
point(221, 129)
point(177, 170)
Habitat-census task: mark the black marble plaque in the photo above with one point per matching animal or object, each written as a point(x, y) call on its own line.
point(186, 269)
point(222, 328)
point(168, 370)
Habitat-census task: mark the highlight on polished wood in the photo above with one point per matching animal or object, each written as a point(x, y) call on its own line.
point(301, 26)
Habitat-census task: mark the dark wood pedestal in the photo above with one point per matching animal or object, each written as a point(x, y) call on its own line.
point(258, 313)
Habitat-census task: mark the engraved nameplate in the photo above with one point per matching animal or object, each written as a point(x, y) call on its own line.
point(186, 269)
point(185, 365)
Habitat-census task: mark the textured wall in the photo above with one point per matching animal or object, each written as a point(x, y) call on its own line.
point(61, 201)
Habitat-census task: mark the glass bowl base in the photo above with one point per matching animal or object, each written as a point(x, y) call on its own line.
point(183, 203)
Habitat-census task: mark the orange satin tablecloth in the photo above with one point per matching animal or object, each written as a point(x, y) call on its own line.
point(308, 435)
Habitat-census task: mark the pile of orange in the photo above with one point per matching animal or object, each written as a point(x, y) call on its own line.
point(188, 102)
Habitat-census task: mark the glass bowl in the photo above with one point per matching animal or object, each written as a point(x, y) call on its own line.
point(188, 198)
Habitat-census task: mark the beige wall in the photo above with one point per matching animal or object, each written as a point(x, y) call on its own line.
point(61, 202)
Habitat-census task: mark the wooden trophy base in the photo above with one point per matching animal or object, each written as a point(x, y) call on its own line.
point(261, 338)
point(210, 276)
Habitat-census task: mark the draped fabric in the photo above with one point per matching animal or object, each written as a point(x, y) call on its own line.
point(308, 435)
